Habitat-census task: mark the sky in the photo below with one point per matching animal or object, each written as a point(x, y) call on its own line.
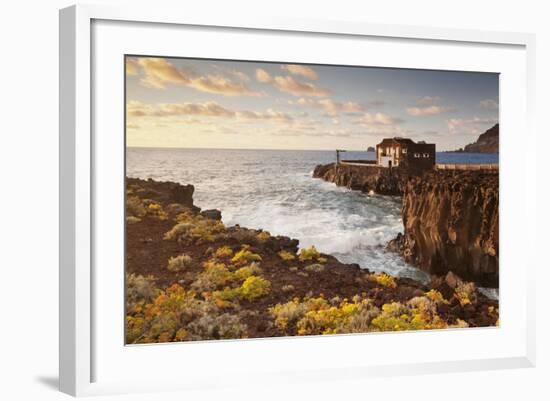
point(192, 103)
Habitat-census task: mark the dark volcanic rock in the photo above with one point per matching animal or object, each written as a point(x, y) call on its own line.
point(486, 143)
point(164, 192)
point(451, 224)
point(366, 178)
point(213, 214)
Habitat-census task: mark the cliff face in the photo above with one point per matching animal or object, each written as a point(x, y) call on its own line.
point(486, 143)
point(364, 178)
point(451, 224)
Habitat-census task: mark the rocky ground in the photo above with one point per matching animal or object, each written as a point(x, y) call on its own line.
point(189, 277)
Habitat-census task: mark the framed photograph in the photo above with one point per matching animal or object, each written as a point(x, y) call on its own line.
point(281, 200)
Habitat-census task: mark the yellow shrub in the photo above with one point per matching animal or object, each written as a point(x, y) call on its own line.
point(245, 256)
point(244, 272)
point(383, 279)
point(155, 210)
point(310, 253)
point(194, 229)
point(436, 296)
point(215, 275)
point(255, 287)
point(223, 252)
point(287, 313)
point(286, 256)
point(177, 315)
point(465, 293)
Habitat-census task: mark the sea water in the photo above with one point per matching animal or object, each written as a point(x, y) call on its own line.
point(274, 190)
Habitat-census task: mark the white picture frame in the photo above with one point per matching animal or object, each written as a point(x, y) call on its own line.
point(79, 154)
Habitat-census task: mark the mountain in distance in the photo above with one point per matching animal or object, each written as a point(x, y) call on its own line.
point(486, 143)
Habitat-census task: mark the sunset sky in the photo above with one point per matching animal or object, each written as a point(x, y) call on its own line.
point(193, 103)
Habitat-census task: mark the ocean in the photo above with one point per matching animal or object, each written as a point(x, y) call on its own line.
point(274, 190)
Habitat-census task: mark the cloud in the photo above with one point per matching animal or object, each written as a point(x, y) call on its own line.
point(158, 73)
point(471, 126)
point(428, 100)
point(222, 86)
point(289, 85)
point(302, 70)
point(263, 76)
point(490, 104)
point(207, 109)
point(332, 107)
point(270, 114)
point(428, 110)
point(378, 119)
point(132, 66)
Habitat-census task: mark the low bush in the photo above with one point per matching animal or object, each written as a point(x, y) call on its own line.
point(214, 276)
point(135, 207)
point(255, 287)
point(315, 268)
point(179, 263)
point(194, 229)
point(139, 289)
point(244, 272)
point(383, 279)
point(223, 252)
point(177, 315)
point(309, 254)
point(245, 256)
point(287, 288)
point(286, 255)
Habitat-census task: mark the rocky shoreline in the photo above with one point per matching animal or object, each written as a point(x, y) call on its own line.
point(450, 218)
point(189, 277)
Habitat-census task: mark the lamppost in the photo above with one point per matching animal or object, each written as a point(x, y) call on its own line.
point(338, 151)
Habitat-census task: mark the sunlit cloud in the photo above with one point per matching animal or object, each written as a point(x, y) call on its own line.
point(132, 66)
point(302, 70)
point(428, 110)
point(378, 119)
point(290, 85)
point(263, 76)
point(158, 73)
point(331, 107)
point(207, 109)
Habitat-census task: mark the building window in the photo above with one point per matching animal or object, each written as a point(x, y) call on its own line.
point(426, 155)
point(417, 155)
point(404, 150)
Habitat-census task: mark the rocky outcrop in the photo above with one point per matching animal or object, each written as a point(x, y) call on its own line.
point(451, 224)
point(366, 178)
point(486, 143)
